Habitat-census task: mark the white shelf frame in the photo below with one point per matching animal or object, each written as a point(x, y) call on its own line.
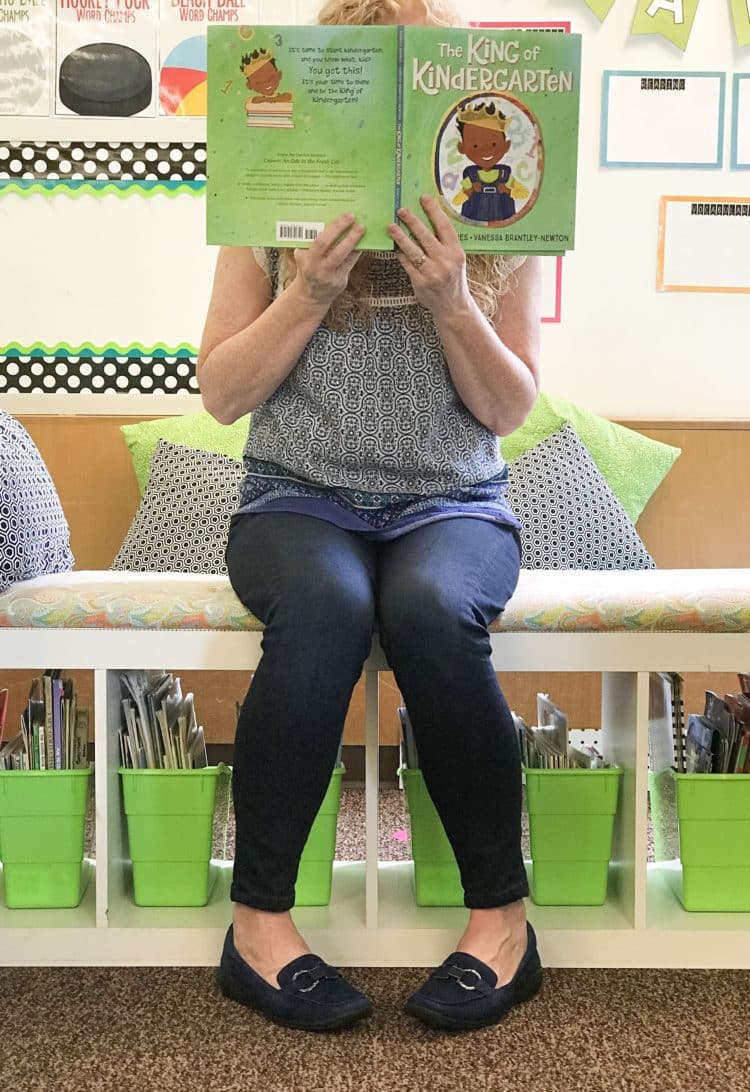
point(372, 919)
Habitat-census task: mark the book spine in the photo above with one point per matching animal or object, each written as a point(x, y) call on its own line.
point(399, 122)
point(57, 692)
point(47, 756)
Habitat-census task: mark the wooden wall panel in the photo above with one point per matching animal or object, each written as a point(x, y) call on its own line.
point(90, 464)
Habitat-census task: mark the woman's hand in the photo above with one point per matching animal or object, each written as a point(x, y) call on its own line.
point(323, 269)
point(434, 260)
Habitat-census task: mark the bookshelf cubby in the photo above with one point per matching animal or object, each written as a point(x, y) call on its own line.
point(372, 919)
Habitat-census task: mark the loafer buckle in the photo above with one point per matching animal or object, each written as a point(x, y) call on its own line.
point(316, 973)
point(459, 972)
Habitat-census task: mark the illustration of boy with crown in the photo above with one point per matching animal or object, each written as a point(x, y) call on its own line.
point(263, 77)
point(488, 191)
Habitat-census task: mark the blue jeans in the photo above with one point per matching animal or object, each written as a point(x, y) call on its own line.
point(320, 591)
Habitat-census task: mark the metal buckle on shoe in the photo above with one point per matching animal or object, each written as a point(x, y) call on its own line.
point(305, 989)
point(320, 970)
point(461, 972)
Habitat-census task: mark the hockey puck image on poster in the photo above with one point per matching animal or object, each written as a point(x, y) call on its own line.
point(105, 79)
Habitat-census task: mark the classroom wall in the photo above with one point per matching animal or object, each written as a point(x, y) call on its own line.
point(138, 270)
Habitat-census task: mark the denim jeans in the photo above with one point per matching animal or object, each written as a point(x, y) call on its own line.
point(320, 591)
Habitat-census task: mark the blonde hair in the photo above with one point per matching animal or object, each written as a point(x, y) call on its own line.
point(489, 276)
point(368, 13)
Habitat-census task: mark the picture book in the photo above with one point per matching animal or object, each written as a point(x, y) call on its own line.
point(308, 122)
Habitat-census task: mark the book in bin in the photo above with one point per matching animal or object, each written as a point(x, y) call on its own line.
point(307, 122)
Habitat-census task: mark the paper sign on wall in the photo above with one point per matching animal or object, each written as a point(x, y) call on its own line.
point(25, 56)
point(662, 119)
point(704, 244)
point(182, 49)
point(106, 57)
point(741, 122)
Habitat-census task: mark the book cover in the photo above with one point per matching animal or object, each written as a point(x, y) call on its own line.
point(301, 127)
point(490, 128)
point(305, 123)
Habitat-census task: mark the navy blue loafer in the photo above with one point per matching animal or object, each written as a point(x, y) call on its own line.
point(461, 994)
point(313, 995)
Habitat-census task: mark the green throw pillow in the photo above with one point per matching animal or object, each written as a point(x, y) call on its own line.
point(196, 430)
point(633, 465)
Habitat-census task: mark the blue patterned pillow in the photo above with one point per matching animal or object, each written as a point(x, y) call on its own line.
point(570, 517)
point(34, 534)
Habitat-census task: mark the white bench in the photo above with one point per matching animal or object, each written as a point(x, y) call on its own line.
point(621, 624)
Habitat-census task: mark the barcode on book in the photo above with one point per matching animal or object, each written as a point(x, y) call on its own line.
point(287, 232)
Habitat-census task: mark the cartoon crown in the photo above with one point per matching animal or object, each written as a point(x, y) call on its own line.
point(486, 116)
point(255, 60)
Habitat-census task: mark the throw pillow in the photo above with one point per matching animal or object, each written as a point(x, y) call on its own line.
point(196, 430)
point(182, 522)
point(570, 517)
point(633, 465)
point(34, 534)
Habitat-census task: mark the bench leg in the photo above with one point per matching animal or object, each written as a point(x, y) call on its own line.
point(372, 779)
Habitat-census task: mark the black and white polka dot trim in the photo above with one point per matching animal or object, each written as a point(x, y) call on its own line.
point(97, 374)
point(140, 161)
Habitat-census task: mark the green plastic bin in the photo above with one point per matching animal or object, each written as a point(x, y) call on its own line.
point(571, 825)
point(42, 822)
point(170, 817)
point(437, 881)
point(315, 876)
point(713, 811)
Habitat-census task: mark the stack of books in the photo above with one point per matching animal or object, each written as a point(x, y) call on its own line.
point(269, 115)
point(159, 727)
point(546, 746)
point(54, 732)
point(718, 740)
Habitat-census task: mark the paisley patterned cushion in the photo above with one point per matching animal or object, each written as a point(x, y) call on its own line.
point(656, 600)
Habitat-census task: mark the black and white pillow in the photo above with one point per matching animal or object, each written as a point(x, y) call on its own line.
point(571, 518)
point(34, 534)
point(182, 522)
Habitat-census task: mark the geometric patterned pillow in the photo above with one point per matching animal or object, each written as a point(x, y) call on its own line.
point(34, 534)
point(570, 517)
point(182, 522)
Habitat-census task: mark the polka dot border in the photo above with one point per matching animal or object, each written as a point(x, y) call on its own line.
point(88, 160)
point(97, 374)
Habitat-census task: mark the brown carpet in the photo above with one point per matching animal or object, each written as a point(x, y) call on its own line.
point(170, 1030)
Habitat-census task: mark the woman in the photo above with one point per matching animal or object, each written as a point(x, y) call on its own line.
point(374, 494)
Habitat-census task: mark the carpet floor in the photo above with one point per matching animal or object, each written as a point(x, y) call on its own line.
point(169, 1029)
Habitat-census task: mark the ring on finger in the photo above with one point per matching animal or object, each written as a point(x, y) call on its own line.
point(419, 260)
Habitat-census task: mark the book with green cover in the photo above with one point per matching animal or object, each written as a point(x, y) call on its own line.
point(307, 122)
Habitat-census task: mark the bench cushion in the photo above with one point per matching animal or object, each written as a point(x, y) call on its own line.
point(569, 600)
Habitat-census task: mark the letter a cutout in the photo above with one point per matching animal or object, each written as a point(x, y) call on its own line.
point(673, 6)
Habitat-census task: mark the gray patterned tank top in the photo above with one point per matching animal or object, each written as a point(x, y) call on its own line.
point(374, 409)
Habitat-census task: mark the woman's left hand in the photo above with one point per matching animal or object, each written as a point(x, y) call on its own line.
point(434, 260)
